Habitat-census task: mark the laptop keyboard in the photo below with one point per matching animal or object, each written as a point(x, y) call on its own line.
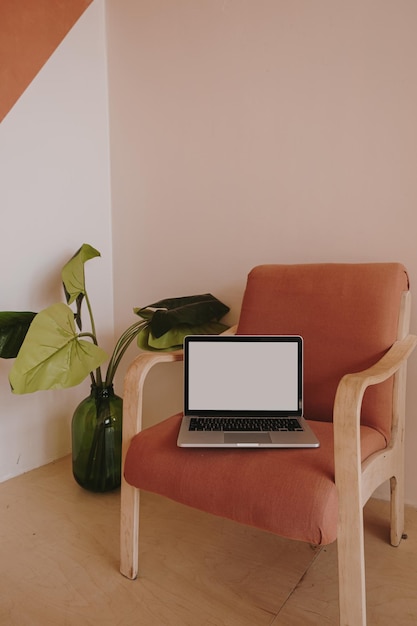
point(237, 424)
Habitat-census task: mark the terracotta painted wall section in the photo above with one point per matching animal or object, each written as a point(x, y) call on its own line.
point(30, 31)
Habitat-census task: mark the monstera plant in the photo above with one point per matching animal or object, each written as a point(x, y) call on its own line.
point(53, 350)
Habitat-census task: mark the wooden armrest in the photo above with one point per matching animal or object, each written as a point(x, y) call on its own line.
point(132, 424)
point(348, 402)
point(385, 367)
point(133, 388)
point(352, 386)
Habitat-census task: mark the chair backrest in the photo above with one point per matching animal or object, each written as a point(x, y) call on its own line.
point(348, 315)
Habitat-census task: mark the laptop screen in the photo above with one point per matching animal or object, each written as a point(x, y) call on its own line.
point(240, 375)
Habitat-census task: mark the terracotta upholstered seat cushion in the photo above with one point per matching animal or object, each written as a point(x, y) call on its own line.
point(248, 486)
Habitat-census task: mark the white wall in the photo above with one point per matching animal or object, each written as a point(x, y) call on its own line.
point(54, 196)
point(247, 132)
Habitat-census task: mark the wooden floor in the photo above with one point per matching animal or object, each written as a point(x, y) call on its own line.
point(59, 565)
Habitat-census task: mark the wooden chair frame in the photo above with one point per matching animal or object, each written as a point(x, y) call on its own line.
point(355, 481)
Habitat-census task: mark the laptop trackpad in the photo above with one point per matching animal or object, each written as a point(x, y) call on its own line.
point(247, 438)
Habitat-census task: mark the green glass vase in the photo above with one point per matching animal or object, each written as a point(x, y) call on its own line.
point(97, 440)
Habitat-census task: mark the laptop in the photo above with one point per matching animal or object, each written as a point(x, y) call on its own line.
point(244, 391)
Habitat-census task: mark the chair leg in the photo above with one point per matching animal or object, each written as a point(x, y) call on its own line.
point(129, 530)
point(351, 563)
point(397, 509)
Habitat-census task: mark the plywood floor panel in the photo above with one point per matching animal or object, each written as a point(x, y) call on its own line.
point(391, 575)
point(59, 564)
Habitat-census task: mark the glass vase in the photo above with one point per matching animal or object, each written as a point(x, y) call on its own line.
point(97, 440)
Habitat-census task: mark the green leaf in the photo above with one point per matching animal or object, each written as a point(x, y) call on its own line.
point(52, 356)
point(13, 328)
point(193, 310)
point(173, 339)
point(73, 275)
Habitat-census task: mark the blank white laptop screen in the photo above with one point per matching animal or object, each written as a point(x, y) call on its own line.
point(243, 375)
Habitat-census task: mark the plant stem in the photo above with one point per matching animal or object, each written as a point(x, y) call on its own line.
point(120, 348)
point(98, 380)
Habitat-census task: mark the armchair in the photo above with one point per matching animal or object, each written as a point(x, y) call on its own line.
point(354, 319)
